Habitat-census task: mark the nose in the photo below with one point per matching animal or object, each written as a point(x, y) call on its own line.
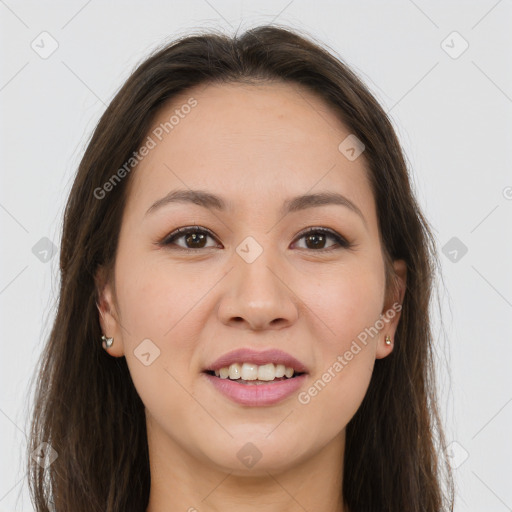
point(258, 297)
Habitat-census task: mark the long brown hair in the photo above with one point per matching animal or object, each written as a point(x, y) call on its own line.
point(86, 406)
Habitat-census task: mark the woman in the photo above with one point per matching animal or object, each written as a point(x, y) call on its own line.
point(244, 309)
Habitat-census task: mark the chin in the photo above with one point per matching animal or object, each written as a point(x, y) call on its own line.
point(256, 456)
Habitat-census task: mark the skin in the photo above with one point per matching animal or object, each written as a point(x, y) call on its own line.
point(256, 146)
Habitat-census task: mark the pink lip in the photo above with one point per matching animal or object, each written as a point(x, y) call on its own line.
point(257, 394)
point(247, 355)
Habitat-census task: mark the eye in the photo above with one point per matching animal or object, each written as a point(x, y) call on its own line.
point(194, 238)
point(315, 239)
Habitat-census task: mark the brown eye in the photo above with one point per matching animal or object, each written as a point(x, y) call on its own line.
point(193, 237)
point(315, 239)
point(196, 240)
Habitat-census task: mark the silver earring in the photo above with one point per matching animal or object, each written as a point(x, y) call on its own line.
point(388, 339)
point(107, 342)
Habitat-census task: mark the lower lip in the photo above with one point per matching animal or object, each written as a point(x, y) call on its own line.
point(257, 394)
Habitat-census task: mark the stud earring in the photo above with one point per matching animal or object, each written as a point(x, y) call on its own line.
point(388, 340)
point(107, 342)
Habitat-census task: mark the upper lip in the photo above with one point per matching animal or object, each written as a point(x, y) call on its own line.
point(247, 355)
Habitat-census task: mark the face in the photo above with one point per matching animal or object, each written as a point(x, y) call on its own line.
point(262, 273)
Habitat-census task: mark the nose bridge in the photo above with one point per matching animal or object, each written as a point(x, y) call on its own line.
point(256, 265)
point(256, 291)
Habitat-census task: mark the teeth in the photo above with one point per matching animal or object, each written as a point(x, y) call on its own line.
point(280, 370)
point(235, 371)
point(267, 372)
point(250, 371)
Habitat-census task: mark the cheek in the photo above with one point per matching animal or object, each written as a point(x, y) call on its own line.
point(152, 297)
point(157, 304)
point(335, 395)
point(163, 303)
point(349, 306)
point(347, 301)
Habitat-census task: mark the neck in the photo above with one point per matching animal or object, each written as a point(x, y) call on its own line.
point(181, 480)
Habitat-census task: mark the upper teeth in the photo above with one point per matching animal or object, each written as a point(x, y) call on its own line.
point(249, 371)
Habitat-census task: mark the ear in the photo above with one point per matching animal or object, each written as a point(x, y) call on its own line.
point(392, 308)
point(108, 316)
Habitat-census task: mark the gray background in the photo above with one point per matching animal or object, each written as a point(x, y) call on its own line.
point(451, 108)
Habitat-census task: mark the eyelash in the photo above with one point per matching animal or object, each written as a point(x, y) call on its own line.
point(181, 232)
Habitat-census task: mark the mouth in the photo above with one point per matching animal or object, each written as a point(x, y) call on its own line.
point(256, 378)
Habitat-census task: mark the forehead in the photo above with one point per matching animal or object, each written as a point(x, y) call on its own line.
point(264, 142)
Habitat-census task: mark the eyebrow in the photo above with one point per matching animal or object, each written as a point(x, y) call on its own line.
point(295, 204)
